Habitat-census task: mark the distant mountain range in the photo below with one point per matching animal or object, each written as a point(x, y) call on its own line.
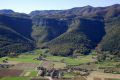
point(65, 32)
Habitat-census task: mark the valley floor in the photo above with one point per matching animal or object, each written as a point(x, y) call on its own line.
point(24, 67)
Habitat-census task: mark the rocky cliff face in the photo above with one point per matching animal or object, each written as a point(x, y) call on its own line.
point(46, 29)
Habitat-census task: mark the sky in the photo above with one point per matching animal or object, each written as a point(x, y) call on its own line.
point(26, 6)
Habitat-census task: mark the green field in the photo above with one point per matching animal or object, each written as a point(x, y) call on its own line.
point(72, 61)
point(33, 73)
point(25, 57)
point(69, 75)
point(15, 78)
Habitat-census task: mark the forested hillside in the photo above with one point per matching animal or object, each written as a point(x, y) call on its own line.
point(111, 41)
point(80, 37)
point(15, 35)
point(65, 32)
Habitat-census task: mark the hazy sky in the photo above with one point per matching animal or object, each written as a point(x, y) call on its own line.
point(27, 6)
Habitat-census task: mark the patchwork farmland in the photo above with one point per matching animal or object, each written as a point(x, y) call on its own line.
point(30, 65)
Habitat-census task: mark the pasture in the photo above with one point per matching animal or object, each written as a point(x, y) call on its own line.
point(70, 60)
point(22, 58)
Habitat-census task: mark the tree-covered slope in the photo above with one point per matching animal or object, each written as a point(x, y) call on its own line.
point(111, 41)
point(15, 35)
point(80, 37)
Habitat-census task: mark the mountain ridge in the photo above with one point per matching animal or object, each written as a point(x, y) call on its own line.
point(64, 32)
